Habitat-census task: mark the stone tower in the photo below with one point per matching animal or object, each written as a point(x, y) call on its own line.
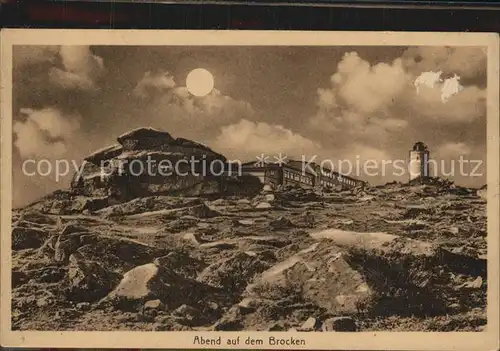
point(419, 162)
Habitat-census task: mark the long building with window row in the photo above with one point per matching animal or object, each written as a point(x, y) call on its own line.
point(297, 173)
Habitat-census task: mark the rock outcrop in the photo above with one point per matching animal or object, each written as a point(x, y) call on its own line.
point(149, 162)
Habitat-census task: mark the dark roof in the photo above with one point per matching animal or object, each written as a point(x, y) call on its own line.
point(295, 165)
point(419, 146)
point(144, 132)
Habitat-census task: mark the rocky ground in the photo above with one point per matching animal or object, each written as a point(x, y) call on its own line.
point(395, 257)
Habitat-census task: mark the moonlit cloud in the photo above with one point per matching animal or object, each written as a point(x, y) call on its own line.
point(453, 150)
point(376, 111)
point(247, 139)
point(367, 88)
point(358, 93)
point(80, 68)
point(154, 82)
point(44, 133)
point(25, 55)
point(165, 102)
point(467, 62)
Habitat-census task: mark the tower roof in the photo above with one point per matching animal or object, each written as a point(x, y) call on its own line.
point(419, 146)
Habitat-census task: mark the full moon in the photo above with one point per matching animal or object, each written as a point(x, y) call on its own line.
point(200, 82)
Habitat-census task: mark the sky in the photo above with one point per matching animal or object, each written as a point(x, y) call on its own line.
point(330, 104)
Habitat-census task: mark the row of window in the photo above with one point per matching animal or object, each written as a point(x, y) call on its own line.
point(297, 177)
point(327, 183)
point(339, 178)
point(309, 180)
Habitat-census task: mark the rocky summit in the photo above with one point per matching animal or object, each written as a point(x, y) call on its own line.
point(399, 257)
point(147, 162)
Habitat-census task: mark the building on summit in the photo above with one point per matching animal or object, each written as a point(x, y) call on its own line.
point(298, 173)
point(419, 162)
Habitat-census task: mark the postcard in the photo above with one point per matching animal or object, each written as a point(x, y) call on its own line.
point(250, 189)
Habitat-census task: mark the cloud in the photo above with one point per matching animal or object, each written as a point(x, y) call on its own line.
point(25, 55)
point(376, 111)
point(467, 62)
point(70, 80)
point(452, 150)
point(247, 139)
point(154, 82)
point(371, 102)
point(80, 68)
point(166, 103)
point(456, 105)
point(367, 88)
point(359, 96)
point(44, 133)
point(70, 67)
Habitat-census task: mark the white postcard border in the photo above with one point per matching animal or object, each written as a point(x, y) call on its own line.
point(486, 340)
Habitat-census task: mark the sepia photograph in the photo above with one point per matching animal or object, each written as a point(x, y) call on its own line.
point(247, 190)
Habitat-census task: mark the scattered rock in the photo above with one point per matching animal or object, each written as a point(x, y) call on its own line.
point(150, 282)
point(281, 223)
point(28, 238)
point(190, 316)
point(182, 263)
point(87, 281)
point(73, 228)
point(267, 188)
point(153, 305)
point(243, 202)
point(231, 321)
point(66, 245)
point(36, 217)
point(263, 205)
point(218, 202)
point(269, 197)
point(248, 304)
point(483, 192)
point(475, 284)
point(18, 278)
point(83, 306)
point(127, 256)
point(245, 222)
point(233, 273)
point(118, 253)
point(202, 211)
point(276, 327)
point(311, 324)
point(191, 238)
point(43, 301)
point(339, 324)
point(51, 274)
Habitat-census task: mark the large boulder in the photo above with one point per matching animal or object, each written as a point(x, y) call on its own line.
point(66, 203)
point(144, 138)
point(150, 162)
point(118, 254)
point(68, 241)
point(87, 281)
point(151, 282)
point(233, 273)
point(28, 238)
point(149, 204)
point(319, 274)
